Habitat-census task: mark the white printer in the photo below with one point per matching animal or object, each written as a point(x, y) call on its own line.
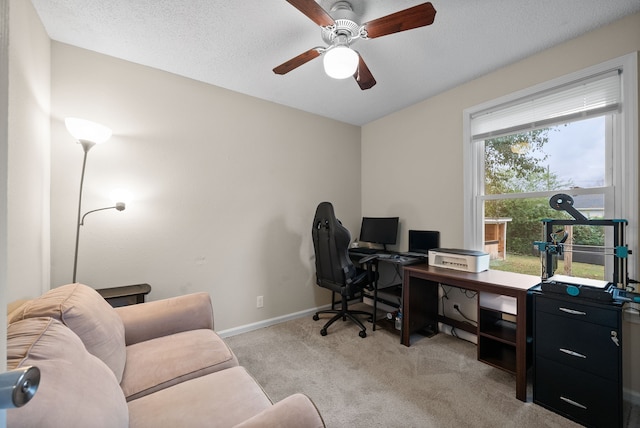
point(464, 260)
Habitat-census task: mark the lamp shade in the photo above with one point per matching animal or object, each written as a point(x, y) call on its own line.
point(85, 130)
point(340, 62)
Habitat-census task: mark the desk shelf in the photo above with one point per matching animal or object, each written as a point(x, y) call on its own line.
point(497, 354)
point(496, 339)
point(390, 298)
point(388, 325)
point(494, 326)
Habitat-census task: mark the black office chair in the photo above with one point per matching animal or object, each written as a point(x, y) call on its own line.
point(334, 269)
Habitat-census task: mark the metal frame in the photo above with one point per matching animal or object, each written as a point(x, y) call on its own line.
point(620, 249)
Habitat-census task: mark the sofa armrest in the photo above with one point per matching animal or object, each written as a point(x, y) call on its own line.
point(295, 411)
point(159, 318)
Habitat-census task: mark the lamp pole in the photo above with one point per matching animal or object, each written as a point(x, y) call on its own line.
point(88, 134)
point(86, 146)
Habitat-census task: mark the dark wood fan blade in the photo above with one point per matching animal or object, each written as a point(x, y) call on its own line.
point(414, 17)
point(296, 62)
point(313, 11)
point(363, 75)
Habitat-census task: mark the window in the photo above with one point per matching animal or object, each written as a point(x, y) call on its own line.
point(575, 135)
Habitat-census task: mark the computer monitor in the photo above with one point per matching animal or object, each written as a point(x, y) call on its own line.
point(379, 230)
point(421, 241)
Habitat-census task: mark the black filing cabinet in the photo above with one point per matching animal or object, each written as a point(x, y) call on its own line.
point(577, 368)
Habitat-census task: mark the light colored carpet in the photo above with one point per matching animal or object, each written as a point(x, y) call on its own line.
point(377, 382)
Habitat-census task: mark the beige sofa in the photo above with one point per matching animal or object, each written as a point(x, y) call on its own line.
point(156, 364)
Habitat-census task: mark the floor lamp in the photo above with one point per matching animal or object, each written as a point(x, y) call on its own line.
point(88, 135)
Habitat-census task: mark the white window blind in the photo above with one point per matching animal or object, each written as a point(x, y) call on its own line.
point(591, 96)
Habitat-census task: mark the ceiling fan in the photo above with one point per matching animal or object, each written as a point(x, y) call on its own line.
point(340, 30)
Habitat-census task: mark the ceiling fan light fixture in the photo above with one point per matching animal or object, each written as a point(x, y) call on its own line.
point(340, 62)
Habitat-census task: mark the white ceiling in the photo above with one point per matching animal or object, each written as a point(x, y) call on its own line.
point(236, 44)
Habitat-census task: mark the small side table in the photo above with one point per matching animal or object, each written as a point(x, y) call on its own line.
point(125, 295)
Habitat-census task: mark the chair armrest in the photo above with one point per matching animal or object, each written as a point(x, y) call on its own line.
point(295, 411)
point(159, 318)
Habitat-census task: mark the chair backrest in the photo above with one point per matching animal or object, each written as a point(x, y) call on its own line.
point(331, 244)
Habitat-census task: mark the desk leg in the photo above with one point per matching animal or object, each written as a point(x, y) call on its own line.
point(521, 347)
point(375, 292)
point(419, 307)
point(405, 336)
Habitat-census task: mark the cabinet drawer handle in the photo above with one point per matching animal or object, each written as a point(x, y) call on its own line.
point(573, 403)
point(572, 311)
point(572, 353)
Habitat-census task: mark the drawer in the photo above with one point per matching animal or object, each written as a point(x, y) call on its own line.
point(585, 398)
point(576, 310)
point(582, 345)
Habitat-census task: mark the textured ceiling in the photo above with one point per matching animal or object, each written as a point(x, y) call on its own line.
point(236, 44)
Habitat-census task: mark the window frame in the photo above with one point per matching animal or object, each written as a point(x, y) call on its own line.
point(625, 154)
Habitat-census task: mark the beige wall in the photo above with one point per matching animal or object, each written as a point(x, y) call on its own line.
point(225, 187)
point(28, 152)
point(414, 156)
point(24, 158)
point(4, 108)
point(421, 146)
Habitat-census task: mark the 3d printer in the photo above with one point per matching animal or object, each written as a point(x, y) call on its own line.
point(556, 245)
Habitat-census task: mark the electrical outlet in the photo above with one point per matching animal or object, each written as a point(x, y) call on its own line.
point(259, 302)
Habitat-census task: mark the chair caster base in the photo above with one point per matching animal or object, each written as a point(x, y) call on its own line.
point(345, 315)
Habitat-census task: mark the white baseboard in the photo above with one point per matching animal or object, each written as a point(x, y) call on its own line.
point(272, 321)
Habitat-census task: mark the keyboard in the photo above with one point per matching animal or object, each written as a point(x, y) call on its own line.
point(386, 256)
point(414, 254)
point(365, 250)
point(404, 260)
point(400, 259)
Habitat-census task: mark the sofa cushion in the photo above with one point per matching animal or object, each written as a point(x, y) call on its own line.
point(14, 306)
point(166, 316)
point(295, 411)
point(85, 312)
point(76, 388)
point(159, 363)
point(221, 399)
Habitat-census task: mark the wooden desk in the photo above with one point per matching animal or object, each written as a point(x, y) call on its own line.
point(373, 295)
point(497, 346)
